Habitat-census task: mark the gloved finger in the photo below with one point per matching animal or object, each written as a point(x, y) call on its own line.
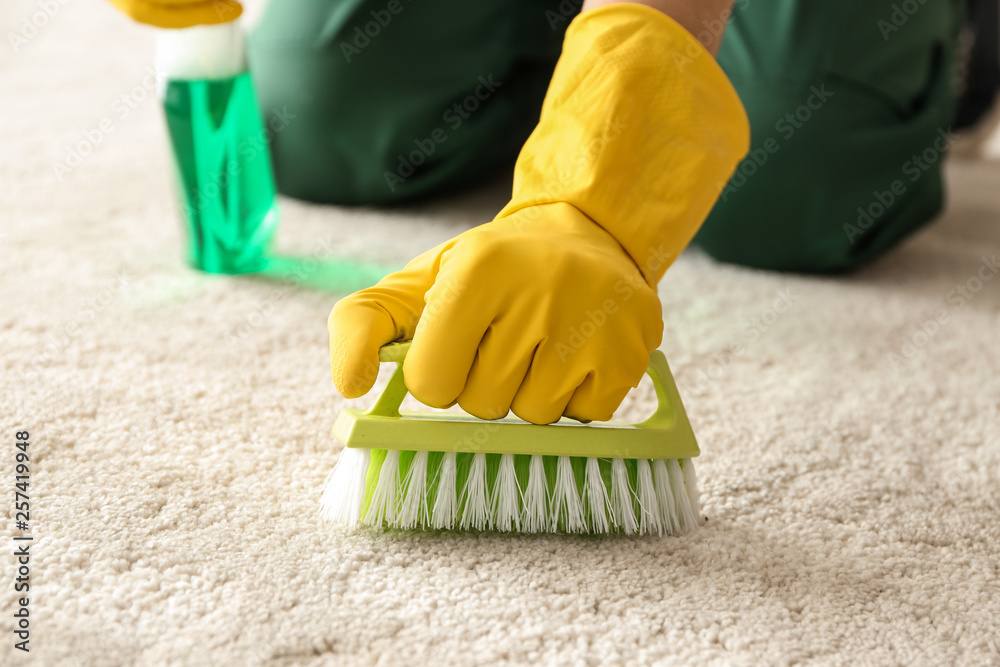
point(447, 337)
point(358, 326)
point(180, 13)
point(365, 321)
point(547, 387)
point(652, 326)
point(597, 397)
point(620, 368)
point(593, 402)
point(501, 363)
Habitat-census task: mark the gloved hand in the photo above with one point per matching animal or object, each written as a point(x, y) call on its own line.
point(551, 308)
point(541, 311)
point(180, 13)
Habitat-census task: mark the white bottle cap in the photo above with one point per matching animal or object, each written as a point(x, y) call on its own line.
point(201, 52)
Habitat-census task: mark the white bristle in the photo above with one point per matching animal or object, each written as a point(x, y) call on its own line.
point(665, 497)
point(384, 507)
point(446, 503)
point(649, 505)
point(413, 511)
point(344, 492)
point(595, 497)
point(691, 483)
point(621, 497)
point(476, 504)
point(665, 491)
point(566, 498)
point(507, 496)
point(681, 499)
point(535, 497)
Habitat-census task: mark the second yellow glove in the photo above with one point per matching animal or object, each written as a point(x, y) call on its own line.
point(180, 13)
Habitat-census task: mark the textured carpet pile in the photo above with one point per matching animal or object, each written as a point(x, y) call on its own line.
point(180, 428)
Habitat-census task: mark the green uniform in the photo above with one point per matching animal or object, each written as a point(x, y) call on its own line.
point(382, 101)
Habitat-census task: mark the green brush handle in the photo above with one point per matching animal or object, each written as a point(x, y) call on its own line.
point(667, 396)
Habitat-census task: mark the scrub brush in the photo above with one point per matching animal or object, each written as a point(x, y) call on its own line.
point(445, 470)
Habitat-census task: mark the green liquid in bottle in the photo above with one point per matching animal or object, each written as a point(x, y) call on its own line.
point(225, 184)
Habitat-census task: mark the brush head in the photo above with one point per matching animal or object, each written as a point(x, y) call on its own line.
point(444, 470)
point(511, 493)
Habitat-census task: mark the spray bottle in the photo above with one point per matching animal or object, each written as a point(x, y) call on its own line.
point(225, 184)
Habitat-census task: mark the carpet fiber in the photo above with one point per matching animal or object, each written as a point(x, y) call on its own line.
point(180, 432)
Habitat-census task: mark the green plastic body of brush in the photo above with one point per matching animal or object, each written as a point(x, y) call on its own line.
point(666, 434)
point(446, 470)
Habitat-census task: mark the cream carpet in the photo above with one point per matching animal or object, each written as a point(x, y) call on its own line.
point(180, 427)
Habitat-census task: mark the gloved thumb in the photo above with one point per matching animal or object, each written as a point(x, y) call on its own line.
point(365, 321)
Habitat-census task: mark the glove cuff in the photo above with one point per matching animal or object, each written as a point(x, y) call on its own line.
point(640, 130)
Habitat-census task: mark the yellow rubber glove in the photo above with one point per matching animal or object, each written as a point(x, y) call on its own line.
point(180, 13)
point(551, 308)
point(544, 315)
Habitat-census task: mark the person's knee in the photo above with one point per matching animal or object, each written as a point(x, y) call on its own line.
point(382, 118)
point(849, 133)
point(831, 190)
point(809, 231)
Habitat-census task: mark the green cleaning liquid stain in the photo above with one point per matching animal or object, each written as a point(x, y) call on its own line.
point(225, 184)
